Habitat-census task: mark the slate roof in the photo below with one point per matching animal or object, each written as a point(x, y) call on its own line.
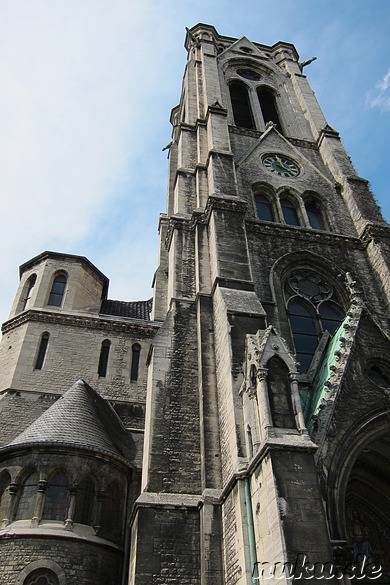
point(80, 418)
point(131, 309)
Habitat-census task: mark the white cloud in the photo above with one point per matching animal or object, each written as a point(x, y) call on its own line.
point(380, 96)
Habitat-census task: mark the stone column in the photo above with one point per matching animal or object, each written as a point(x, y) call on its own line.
point(263, 400)
point(71, 508)
point(42, 485)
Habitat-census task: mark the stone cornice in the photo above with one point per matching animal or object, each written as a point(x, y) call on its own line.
point(373, 231)
point(300, 233)
point(222, 202)
point(83, 321)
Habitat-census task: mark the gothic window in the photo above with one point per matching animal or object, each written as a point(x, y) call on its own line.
point(27, 291)
point(41, 577)
point(56, 498)
point(242, 113)
point(279, 393)
point(4, 496)
point(27, 497)
point(289, 211)
point(42, 351)
point(312, 309)
point(268, 107)
point(103, 360)
point(57, 290)
point(85, 500)
point(135, 355)
point(264, 208)
point(314, 215)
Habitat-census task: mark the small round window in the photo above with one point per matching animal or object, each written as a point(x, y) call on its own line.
point(41, 577)
point(379, 375)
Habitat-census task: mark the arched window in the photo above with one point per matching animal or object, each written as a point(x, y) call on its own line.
point(41, 577)
point(56, 498)
point(85, 501)
point(27, 498)
point(110, 514)
point(279, 393)
point(312, 309)
point(57, 291)
point(135, 355)
point(4, 496)
point(27, 291)
point(264, 208)
point(268, 107)
point(42, 351)
point(241, 107)
point(103, 360)
point(314, 215)
point(289, 211)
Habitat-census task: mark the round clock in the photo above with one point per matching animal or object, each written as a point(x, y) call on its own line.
point(280, 165)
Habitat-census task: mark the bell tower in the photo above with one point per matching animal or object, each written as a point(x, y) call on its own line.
point(269, 376)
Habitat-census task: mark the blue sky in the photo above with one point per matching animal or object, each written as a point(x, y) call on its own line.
point(86, 92)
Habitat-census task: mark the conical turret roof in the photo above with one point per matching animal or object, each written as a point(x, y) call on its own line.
point(79, 418)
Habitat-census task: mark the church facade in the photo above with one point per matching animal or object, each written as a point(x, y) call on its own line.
point(235, 428)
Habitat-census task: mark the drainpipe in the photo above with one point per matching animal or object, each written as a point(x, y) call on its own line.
point(126, 547)
point(251, 531)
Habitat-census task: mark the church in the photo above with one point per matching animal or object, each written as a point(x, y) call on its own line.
point(234, 429)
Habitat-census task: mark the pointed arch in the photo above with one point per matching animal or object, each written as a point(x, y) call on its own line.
point(279, 392)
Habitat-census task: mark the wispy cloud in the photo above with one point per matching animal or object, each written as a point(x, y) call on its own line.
point(380, 96)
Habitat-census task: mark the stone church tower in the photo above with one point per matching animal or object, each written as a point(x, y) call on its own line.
point(241, 433)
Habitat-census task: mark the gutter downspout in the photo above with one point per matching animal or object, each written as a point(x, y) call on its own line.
point(251, 532)
point(126, 547)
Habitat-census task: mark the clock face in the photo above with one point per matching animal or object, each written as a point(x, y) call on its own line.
point(280, 165)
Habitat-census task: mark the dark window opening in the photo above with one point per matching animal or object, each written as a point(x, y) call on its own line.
point(42, 351)
point(27, 498)
point(264, 208)
point(314, 215)
point(241, 107)
point(136, 351)
point(57, 291)
point(290, 214)
point(57, 499)
point(268, 108)
point(103, 360)
point(110, 515)
point(85, 500)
